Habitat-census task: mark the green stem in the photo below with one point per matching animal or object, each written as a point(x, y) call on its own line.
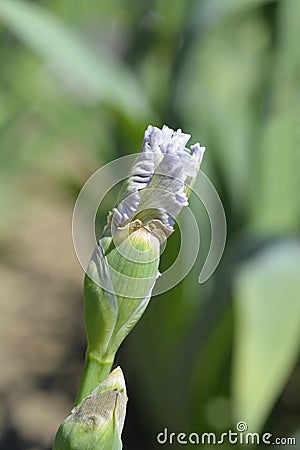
point(95, 370)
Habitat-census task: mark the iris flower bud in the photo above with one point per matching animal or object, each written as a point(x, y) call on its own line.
point(124, 267)
point(97, 422)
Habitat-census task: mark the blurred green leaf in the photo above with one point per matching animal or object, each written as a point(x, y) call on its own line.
point(207, 377)
point(217, 92)
point(267, 334)
point(101, 77)
point(210, 12)
point(276, 192)
point(276, 200)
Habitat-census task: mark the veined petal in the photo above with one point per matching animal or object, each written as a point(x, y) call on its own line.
point(140, 175)
point(161, 179)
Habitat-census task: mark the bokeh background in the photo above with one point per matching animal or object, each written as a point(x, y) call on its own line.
point(79, 83)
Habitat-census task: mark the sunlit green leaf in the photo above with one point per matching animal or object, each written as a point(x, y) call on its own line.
point(276, 201)
point(217, 95)
point(267, 333)
point(276, 190)
point(102, 77)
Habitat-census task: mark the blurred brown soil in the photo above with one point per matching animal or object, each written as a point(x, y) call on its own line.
point(42, 337)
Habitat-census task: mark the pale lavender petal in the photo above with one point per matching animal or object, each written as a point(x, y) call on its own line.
point(141, 173)
point(197, 153)
point(159, 181)
point(128, 207)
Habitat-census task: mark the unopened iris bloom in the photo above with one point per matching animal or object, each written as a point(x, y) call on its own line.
point(120, 279)
point(124, 267)
point(159, 182)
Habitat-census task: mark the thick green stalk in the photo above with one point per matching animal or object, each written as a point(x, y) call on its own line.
point(94, 372)
point(117, 289)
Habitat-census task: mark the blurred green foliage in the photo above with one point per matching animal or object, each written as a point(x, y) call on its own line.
point(79, 82)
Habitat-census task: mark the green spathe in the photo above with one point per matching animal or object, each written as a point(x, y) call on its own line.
point(97, 422)
point(125, 267)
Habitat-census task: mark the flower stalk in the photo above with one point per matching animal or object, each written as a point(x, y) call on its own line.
point(124, 268)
